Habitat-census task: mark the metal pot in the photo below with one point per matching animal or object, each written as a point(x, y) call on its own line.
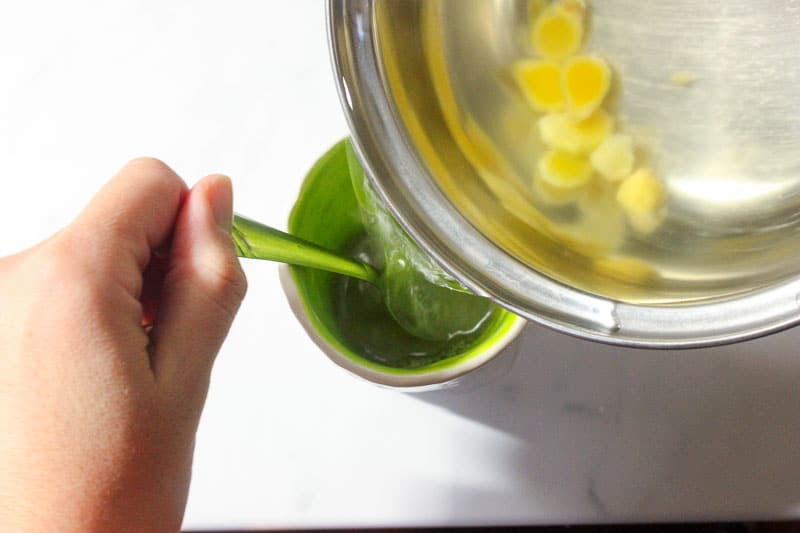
point(731, 276)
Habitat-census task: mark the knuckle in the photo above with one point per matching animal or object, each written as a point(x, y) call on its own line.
point(157, 172)
point(149, 165)
point(230, 279)
point(226, 282)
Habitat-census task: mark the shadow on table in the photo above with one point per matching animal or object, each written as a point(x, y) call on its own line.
point(618, 433)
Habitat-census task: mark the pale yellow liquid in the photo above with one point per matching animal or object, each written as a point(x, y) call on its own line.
point(447, 65)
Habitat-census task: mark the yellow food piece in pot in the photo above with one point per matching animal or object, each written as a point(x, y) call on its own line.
point(553, 195)
point(540, 82)
point(614, 158)
point(683, 78)
point(641, 192)
point(564, 170)
point(642, 197)
point(600, 220)
point(558, 30)
point(585, 81)
point(564, 133)
point(645, 223)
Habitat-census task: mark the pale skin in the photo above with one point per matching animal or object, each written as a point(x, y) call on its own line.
point(108, 334)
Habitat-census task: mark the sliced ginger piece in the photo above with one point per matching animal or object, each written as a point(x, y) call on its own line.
point(614, 158)
point(553, 195)
point(642, 197)
point(558, 30)
point(564, 170)
point(646, 223)
point(641, 192)
point(600, 220)
point(540, 82)
point(585, 81)
point(564, 133)
point(683, 78)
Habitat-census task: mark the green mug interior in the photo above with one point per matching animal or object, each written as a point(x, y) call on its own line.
point(326, 212)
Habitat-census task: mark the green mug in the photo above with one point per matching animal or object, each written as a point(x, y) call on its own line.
point(350, 324)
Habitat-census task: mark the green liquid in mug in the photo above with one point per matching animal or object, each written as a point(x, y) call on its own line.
point(368, 328)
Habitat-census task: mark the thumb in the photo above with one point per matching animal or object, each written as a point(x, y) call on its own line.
point(202, 289)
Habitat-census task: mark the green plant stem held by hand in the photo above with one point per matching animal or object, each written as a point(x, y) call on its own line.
point(254, 240)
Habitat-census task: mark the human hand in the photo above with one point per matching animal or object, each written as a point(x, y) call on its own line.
point(108, 332)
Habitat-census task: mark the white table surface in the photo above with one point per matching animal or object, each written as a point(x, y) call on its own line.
point(566, 432)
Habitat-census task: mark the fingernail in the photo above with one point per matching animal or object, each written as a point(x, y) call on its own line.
point(221, 199)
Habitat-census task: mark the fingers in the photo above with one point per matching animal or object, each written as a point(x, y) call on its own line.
point(132, 214)
point(153, 278)
point(202, 289)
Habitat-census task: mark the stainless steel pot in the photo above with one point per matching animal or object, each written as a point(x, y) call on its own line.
point(729, 149)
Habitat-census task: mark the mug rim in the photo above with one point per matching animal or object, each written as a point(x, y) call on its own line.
point(405, 184)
